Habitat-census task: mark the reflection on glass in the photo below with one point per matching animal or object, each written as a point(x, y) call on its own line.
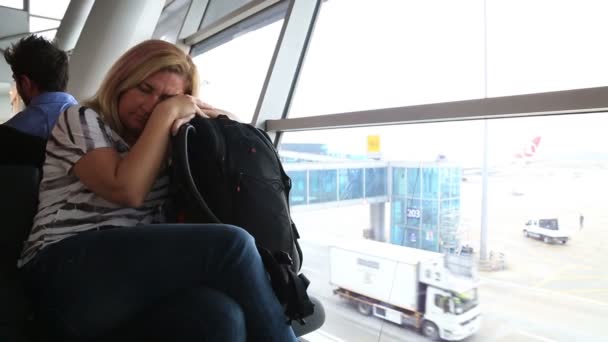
point(375, 182)
point(323, 186)
point(351, 183)
point(299, 185)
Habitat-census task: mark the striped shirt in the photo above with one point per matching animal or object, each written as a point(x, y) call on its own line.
point(66, 207)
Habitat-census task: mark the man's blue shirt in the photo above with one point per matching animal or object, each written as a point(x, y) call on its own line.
point(39, 117)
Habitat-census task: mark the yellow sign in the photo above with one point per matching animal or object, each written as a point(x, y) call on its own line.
point(373, 144)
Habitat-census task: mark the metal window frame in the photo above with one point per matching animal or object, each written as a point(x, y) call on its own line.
point(248, 10)
point(576, 101)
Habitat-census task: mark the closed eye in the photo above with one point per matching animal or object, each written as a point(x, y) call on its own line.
point(145, 88)
point(165, 97)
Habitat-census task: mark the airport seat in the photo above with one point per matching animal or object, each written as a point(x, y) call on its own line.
point(313, 322)
point(18, 205)
point(18, 148)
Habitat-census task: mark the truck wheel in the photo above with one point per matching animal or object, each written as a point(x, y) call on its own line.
point(429, 329)
point(546, 239)
point(526, 233)
point(364, 309)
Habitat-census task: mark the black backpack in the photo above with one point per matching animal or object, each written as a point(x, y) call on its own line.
point(224, 171)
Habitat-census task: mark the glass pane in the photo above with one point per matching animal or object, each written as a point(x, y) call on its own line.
point(51, 9)
point(323, 186)
point(41, 24)
point(299, 187)
point(530, 287)
point(18, 4)
point(351, 183)
point(49, 35)
point(555, 45)
point(219, 8)
point(399, 180)
point(232, 74)
point(391, 53)
point(375, 182)
point(171, 20)
point(402, 53)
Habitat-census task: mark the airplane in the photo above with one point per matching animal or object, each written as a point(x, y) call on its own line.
point(514, 165)
point(529, 151)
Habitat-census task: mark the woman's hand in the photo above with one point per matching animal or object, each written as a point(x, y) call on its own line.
point(184, 107)
point(205, 110)
point(180, 109)
point(211, 112)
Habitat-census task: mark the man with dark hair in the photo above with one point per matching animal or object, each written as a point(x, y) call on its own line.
point(40, 71)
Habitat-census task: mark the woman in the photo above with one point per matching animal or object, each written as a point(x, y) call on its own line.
point(95, 263)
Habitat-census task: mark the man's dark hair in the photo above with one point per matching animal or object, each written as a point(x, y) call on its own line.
point(41, 61)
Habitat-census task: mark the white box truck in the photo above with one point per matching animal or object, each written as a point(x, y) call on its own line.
point(435, 293)
point(550, 229)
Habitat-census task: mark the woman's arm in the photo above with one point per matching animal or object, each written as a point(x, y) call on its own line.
point(127, 180)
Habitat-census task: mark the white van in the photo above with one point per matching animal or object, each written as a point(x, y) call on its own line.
point(550, 230)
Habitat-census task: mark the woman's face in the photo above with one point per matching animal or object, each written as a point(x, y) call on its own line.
point(136, 104)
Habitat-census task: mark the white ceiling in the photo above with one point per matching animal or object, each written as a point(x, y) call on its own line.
point(14, 23)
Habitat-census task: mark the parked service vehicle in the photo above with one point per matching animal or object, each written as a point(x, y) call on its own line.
point(432, 292)
point(549, 230)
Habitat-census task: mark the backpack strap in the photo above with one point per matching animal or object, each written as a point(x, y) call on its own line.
point(289, 287)
point(181, 158)
point(299, 305)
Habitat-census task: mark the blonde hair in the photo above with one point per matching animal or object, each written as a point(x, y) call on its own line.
point(132, 68)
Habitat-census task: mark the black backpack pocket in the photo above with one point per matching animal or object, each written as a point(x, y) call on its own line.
point(255, 209)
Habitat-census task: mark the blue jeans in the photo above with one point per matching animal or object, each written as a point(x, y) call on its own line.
point(173, 282)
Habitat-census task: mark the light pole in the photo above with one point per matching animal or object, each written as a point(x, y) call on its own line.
point(483, 251)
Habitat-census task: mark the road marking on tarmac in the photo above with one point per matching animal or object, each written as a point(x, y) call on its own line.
point(545, 291)
point(555, 276)
point(540, 338)
point(310, 270)
point(321, 336)
point(586, 291)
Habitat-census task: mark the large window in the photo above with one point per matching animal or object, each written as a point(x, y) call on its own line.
point(427, 187)
point(396, 53)
point(232, 73)
point(543, 286)
point(390, 54)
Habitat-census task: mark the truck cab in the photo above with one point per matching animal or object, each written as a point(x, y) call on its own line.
point(452, 301)
point(549, 230)
point(454, 315)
